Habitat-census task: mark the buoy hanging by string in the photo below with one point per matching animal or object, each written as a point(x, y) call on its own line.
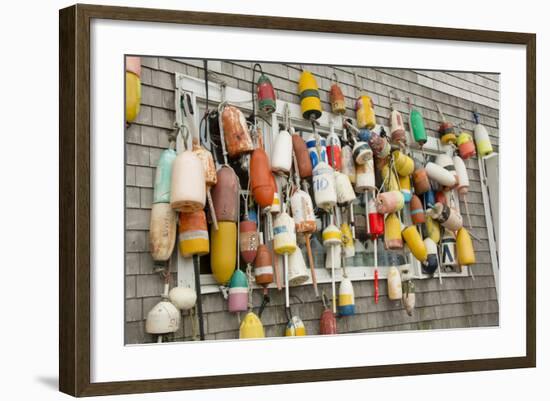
point(364, 107)
point(332, 239)
point(327, 322)
point(193, 234)
point(337, 99)
point(267, 100)
point(235, 131)
point(397, 125)
point(301, 153)
point(346, 298)
point(465, 143)
point(416, 125)
point(310, 103)
point(237, 300)
point(446, 129)
point(481, 135)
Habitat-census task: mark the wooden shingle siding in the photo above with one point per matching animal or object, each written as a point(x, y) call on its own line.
point(455, 303)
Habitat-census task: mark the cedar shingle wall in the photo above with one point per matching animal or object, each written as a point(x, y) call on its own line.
point(458, 302)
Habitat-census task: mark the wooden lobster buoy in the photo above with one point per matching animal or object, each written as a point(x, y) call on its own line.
point(446, 216)
point(414, 242)
point(263, 266)
point(188, 190)
point(465, 248)
point(237, 300)
point(417, 210)
point(281, 161)
point(344, 190)
point(334, 151)
point(365, 179)
point(183, 298)
point(405, 187)
point(235, 132)
point(421, 182)
point(297, 271)
point(267, 101)
point(446, 162)
point(448, 249)
point(364, 111)
point(261, 178)
point(347, 240)
point(440, 197)
point(380, 146)
point(389, 202)
point(481, 135)
point(432, 261)
point(225, 195)
point(327, 322)
point(440, 174)
point(163, 318)
point(462, 174)
point(193, 234)
point(466, 146)
point(429, 199)
point(409, 296)
point(432, 229)
point(295, 327)
point(310, 103)
point(248, 240)
point(223, 257)
point(346, 298)
point(251, 327)
point(162, 231)
point(446, 129)
point(397, 125)
point(133, 96)
point(163, 176)
point(392, 234)
point(317, 148)
point(348, 163)
point(361, 152)
point(302, 212)
point(416, 124)
point(303, 160)
point(284, 234)
point(337, 99)
point(376, 221)
point(324, 186)
point(404, 165)
point(395, 291)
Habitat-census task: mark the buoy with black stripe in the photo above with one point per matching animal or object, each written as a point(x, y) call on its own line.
point(346, 298)
point(237, 300)
point(251, 327)
point(432, 261)
point(414, 242)
point(392, 233)
point(223, 255)
point(310, 103)
point(133, 87)
point(481, 135)
point(448, 249)
point(193, 234)
point(447, 163)
point(336, 97)
point(465, 248)
point(361, 152)
point(446, 129)
point(448, 217)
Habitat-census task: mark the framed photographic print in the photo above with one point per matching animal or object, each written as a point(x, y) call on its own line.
point(236, 185)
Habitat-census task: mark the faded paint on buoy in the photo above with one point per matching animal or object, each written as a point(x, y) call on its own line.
point(394, 284)
point(251, 327)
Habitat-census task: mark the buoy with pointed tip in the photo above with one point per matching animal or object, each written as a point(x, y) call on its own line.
point(163, 318)
point(432, 261)
point(188, 188)
point(448, 249)
point(225, 194)
point(237, 300)
point(392, 233)
point(235, 132)
point(295, 327)
point(481, 135)
point(465, 248)
point(414, 242)
point(305, 169)
point(183, 298)
point(395, 291)
point(251, 327)
point(162, 231)
point(281, 160)
point(261, 178)
point(310, 103)
point(324, 186)
point(346, 298)
point(193, 234)
point(223, 256)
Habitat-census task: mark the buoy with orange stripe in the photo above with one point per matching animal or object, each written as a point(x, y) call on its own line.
point(481, 135)
point(395, 291)
point(465, 248)
point(133, 87)
point(235, 132)
point(392, 233)
point(414, 242)
point(237, 300)
point(446, 129)
point(223, 255)
point(251, 327)
point(310, 103)
point(193, 234)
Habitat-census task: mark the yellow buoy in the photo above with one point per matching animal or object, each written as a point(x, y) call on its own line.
point(433, 229)
point(251, 327)
point(310, 103)
point(389, 178)
point(223, 256)
point(465, 248)
point(364, 109)
point(404, 165)
point(133, 96)
point(392, 233)
point(414, 242)
point(295, 327)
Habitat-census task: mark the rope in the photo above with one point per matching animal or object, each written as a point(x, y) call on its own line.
point(250, 278)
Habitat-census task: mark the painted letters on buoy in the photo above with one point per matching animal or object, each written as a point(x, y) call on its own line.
point(448, 249)
point(324, 186)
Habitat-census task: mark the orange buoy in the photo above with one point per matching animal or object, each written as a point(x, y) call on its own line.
point(235, 131)
point(261, 178)
point(417, 210)
point(263, 266)
point(248, 240)
point(302, 156)
point(193, 234)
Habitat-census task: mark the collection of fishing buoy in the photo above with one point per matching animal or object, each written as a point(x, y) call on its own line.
point(259, 216)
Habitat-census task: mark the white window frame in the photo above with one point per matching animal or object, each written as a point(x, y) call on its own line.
point(241, 98)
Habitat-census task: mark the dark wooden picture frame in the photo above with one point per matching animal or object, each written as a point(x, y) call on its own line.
point(74, 199)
